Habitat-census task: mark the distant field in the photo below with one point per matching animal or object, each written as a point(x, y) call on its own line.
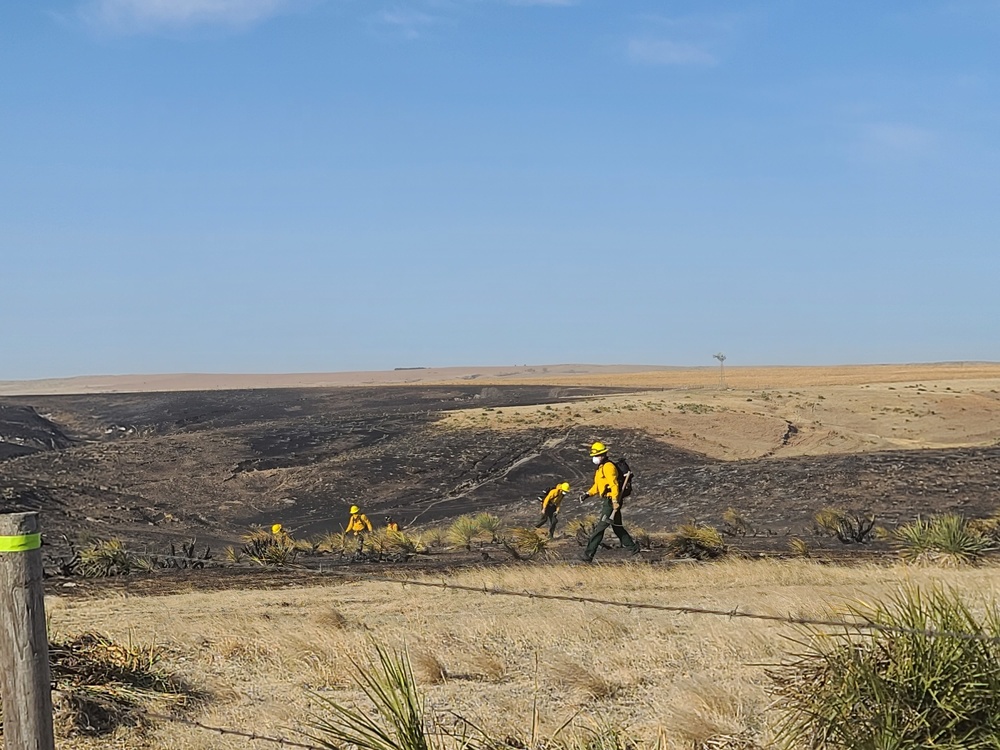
point(626, 376)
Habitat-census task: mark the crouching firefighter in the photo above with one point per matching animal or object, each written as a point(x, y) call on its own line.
point(608, 484)
point(550, 507)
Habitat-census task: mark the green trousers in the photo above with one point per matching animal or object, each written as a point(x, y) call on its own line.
point(614, 520)
point(550, 516)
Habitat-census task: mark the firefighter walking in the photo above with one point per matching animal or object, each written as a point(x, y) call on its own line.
point(359, 525)
point(550, 507)
point(607, 484)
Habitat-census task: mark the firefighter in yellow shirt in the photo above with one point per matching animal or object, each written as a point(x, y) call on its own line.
point(390, 524)
point(359, 525)
point(607, 484)
point(550, 507)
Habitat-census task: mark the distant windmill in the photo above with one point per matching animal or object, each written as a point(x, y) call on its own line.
point(722, 368)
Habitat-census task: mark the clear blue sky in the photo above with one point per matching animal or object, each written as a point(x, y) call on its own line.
point(316, 185)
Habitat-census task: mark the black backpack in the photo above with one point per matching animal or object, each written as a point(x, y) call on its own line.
point(624, 477)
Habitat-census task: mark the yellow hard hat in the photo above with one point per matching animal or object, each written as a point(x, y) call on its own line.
point(564, 486)
point(598, 449)
point(276, 529)
point(355, 509)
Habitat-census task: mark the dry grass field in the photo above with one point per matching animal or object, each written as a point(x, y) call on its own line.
point(264, 656)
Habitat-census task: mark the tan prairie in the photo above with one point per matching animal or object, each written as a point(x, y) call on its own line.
point(805, 419)
point(620, 376)
point(265, 656)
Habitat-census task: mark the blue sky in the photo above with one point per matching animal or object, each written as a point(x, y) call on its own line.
point(318, 185)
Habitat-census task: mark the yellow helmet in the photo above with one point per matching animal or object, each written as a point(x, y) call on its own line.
point(598, 449)
point(355, 509)
point(276, 528)
point(564, 486)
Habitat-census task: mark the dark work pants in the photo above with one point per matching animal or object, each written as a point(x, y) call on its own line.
point(614, 520)
point(550, 516)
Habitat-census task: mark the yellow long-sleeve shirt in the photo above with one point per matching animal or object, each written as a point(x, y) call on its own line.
point(607, 483)
point(554, 497)
point(359, 522)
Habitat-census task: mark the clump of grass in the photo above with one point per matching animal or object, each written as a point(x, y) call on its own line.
point(463, 531)
point(401, 542)
point(101, 685)
point(734, 523)
point(489, 525)
point(269, 549)
point(896, 689)
point(102, 559)
point(582, 528)
point(526, 544)
point(336, 542)
point(642, 537)
point(799, 547)
point(399, 721)
point(429, 667)
point(696, 541)
point(945, 540)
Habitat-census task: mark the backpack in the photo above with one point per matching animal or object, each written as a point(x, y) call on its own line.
point(625, 477)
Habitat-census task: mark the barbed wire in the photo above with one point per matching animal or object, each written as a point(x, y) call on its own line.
point(225, 731)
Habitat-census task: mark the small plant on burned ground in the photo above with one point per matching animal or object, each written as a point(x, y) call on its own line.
point(883, 689)
point(100, 685)
point(102, 559)
point(526, 544)
point(736, 524)
point(582, 528)
point(949, 540)
point(465, 530)
point(848, 527)
point(490, 526)
point(267, 548)
point(696, 542)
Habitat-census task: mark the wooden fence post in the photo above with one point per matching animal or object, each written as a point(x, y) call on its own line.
point(25, 675)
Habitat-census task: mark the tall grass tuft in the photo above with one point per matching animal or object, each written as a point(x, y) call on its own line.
point(266, 548)
point(101, 559)
point(877, 690)
point(696, 541)
point(399, 721)
point(945, 540)
point(582, 528)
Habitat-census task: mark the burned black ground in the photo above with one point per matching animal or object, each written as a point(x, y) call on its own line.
point(159, 468)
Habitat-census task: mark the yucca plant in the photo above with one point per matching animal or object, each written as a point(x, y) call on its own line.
point(526, 544)
point(105, 558)
point(876, 690)
point(827, 521)
point(400, 541)
point(696, 541)
point(269, 549)
point(489, 525)
point(399, 721)
point(944, 540)
point(463, 531)
point(336, 542)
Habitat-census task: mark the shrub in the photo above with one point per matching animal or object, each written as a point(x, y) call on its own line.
point(407, 544)
point(266, 548)
point(463, 531)
point(489, 525)
point(526, 544)
point(876, 690)
point(696, 541)
point(849, 528)
point(944, 540)
point(337, 542)
point(798, 547)
point(734, 523)
point(105, 558)
point(582, 528)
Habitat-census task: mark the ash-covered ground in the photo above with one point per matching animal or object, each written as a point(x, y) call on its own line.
point(153, 469)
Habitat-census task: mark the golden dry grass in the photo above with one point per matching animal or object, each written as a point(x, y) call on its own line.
point(261, 653)
point(938, 410)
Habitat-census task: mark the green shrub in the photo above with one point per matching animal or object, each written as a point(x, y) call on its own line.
point(944, 540)
point(489, 525)
point(526, 544)
point(463, 531)
point(878, 690)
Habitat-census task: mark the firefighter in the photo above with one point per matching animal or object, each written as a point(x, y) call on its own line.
point(390, 524)
point(359, 525)
point(607, 484)
point(550, 507)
